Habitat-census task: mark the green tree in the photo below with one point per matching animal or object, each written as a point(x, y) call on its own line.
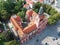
point(14, 42)
point(4, 14)
point(54, 18)
point(5, 39)
point(37, 5)
point(36, 10)
point(5, 10)
point(2, 6)
point(9, 7)
point(48, 8)
point(51, 21)
point(18, 6)
point(21, 14)
point(59, 16)
point(44, 7)
point(11, 1)
point(24, 9)
point(52, 11)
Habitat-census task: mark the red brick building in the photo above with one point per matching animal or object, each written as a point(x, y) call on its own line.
point(36, 25)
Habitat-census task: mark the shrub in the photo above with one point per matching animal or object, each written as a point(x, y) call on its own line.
point(59, 16)
point(54, 18)
point(48, 8)
point(21, 14)
point(37, 5)
point(52, 11)
point(23, 9)
point(44, 7)
point(36, 10)
point(6, 36)
point(51, 21)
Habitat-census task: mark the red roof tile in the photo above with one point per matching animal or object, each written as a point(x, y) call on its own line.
point(30, 28)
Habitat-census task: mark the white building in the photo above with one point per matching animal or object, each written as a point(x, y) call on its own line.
point(48, 1)
point(56, 3)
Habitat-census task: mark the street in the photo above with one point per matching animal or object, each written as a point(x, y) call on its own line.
point(46, 36)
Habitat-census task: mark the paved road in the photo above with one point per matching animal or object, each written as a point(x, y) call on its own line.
point(57, 5)
point(48, 34)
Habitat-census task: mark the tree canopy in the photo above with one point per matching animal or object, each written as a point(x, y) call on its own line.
point(7, 8)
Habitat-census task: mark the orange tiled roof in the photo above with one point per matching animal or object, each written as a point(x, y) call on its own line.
point(32, 25)
point(33, 13)
point(16, 25)
point(30, 28)
point(29, 14)
point(17, 20)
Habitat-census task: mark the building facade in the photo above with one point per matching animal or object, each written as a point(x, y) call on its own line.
point(35, 25)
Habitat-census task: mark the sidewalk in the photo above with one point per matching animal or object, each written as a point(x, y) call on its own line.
point(57, 5)
point(58, 9)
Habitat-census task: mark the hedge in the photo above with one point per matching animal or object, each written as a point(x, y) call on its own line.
point(54, 18)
